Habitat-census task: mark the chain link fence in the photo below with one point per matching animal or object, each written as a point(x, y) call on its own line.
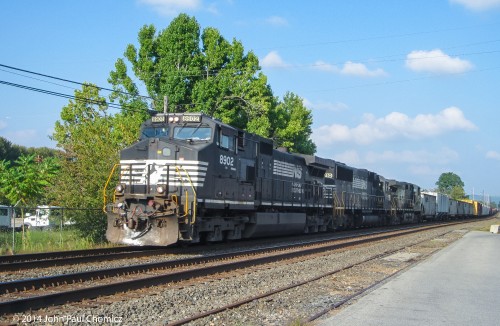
point(50, 228)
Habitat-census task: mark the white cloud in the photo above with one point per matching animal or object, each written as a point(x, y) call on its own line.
point(436, 61)
point(277, 21)
point(478, 4)
point(322, 105)
point(441, 157)
point(212, 8)
point(394, 125)
point(359, 69)
point(325, 66)
point(3, 124)
point(173, 7)
point(349, 68)
point(27, 137)
point(350, 157)
point(493, 155)
point(417, 161)
point(273, 60)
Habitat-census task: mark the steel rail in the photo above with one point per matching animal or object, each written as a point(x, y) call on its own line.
point(61, 261)
point(7, 259)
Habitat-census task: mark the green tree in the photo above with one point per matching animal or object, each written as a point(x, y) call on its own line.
point(26, 181)
point(91, 139)
point(8, 151)
point(200, 71)
point(292, 125)
point(168, 63)
point(457, 193)
point(449, 182)
point(231, 87)
point(11, 152)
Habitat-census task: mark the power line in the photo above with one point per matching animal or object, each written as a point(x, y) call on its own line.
point(398, 81)
point(125, 107)
point(208, 72)
point(71, 97)
point(377, 37)
point(85, 99)
point(214, 72)
point(385, 59)
point(70, 81)
point(112, 105)
point(38, 79)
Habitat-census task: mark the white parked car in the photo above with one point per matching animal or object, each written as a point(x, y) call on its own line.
point(40, 219)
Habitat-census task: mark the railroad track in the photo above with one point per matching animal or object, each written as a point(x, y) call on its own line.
point(61, 258)
point(22, 295)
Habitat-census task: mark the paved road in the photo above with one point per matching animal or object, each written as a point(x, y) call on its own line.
point(459, 285)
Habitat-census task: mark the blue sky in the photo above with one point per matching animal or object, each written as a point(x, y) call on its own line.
point(408, 89)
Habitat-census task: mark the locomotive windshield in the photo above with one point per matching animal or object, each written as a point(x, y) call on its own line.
point(150, 132)
point(193, 132)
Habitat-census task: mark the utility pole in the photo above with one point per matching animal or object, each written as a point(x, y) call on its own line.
point(165, 104)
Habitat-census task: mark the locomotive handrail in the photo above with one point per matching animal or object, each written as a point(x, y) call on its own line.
point(186, 192)
point(336, 201)
point(175, 199)
point(177, 169)
point(106, 186)
point(394, 205)
point(194, 195)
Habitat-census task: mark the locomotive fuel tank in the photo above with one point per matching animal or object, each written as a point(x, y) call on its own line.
point(368, 220)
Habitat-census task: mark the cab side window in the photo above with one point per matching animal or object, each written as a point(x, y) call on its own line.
point(227, 142)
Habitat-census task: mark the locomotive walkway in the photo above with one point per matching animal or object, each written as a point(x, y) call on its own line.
point(459, 285)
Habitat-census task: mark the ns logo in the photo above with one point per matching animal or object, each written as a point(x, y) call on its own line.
point(297, 172)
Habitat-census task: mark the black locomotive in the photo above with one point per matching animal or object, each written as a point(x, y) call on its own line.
point(193, 178)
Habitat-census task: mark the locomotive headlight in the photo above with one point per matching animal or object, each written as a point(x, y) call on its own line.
point(166, 151)
point(170, 119)
point(160, 189)
point(176, 119)
point(120, 188)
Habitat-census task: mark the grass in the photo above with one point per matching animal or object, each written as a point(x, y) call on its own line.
point(44, 241)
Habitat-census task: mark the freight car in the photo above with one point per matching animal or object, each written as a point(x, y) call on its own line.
point(437, 206)
point(192, 178)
